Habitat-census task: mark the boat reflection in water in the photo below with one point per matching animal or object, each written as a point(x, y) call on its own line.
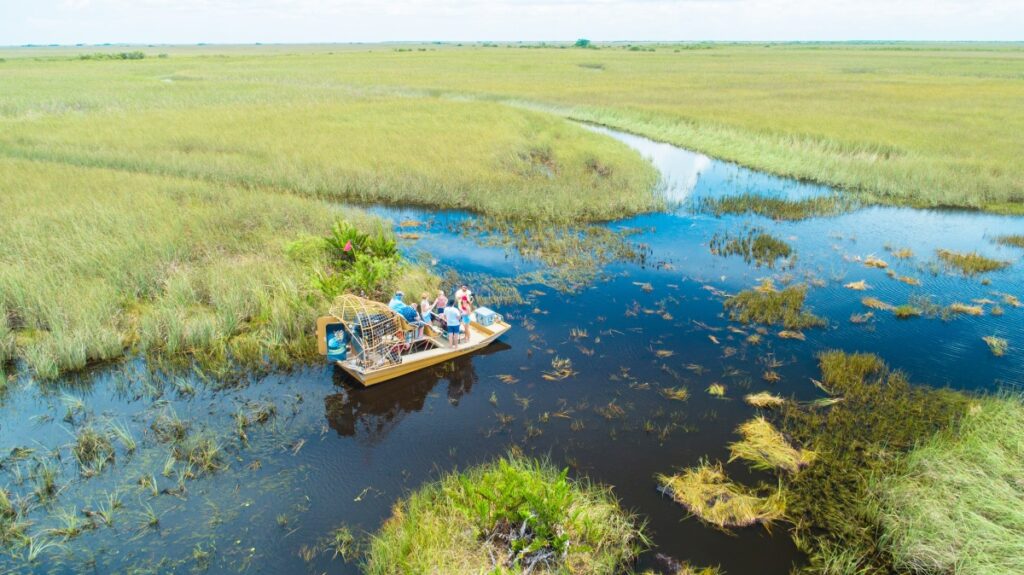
point(372, 412)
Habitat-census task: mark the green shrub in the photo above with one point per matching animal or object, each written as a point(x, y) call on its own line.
point(511, 516)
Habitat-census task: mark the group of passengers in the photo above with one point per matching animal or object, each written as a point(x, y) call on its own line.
point(452, 315)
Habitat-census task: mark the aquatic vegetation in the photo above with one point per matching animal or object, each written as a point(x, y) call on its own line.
point(875, 262)
point(791, 334)
point(755, 245)
point(783, 307)
point(970, 264)
point(857, 285)
point(952, 507)
point(875, 303)
point(906, 311)
point(93, 450)
point(766, 448)
point(707, 493)
point(1014, 240)
point(763, 399)
point(716, 390)
point(962, 308)
point(511, 516)
point(676, 393)
point(561, 368)
point(881, 417)
point(201, 452)
point(996, 345)
point(775, 208)
point(903, 253)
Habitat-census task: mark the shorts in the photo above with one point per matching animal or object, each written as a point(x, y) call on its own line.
point(453, 329)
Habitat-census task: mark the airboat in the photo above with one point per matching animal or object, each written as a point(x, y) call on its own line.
point(373, 343)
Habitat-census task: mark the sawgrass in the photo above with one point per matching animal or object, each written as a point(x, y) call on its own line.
point(706, 492)
point(434, 153)
point(764, 447)
point(956, 504)
point(122, 261)
point(775, 208)
point(511, 516)
point(858, 116)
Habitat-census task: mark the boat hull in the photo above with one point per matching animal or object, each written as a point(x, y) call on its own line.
point(482, 337)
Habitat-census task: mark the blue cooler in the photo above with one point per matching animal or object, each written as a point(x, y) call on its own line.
point(485, 316)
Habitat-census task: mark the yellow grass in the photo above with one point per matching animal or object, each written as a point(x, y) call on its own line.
point(763, 399)
point(707, 493)
point(766, 448)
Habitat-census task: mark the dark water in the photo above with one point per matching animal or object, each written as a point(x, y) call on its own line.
point(338, 455)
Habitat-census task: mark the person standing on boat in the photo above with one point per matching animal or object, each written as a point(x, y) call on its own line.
point(440, 303)
point(466, 309)
point(453, 319)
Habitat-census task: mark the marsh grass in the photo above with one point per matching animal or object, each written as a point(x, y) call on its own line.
point(775, 208)
point(1014, 240)
point(954, 506)
point(706, 492)
point(970, 264)
point(755, 245)
point(881, 418)
point(764, 447)
point(511, 516)
point(794, 130)
point(160, 265)
point(785, 307)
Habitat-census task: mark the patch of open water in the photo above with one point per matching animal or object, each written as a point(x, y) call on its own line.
point(338, 455)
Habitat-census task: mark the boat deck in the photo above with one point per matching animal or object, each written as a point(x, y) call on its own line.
point(479, 336)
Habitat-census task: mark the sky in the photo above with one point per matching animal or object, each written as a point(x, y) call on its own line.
point(302, 21)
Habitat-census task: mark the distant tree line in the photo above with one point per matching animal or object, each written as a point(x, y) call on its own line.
point(134, 55)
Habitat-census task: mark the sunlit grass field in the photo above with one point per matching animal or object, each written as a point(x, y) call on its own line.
point(148, 203)
point(920, 124)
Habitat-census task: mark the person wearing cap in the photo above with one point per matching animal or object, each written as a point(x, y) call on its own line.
point(396, 304)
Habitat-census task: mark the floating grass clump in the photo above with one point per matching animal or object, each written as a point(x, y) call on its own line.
point(706, 492)
point(783, 307)
point(996, 345)
point(511, 516)
point(764, 399)
point(971, 263)
point(906, 311)
point(955, 504)
point(774, 207)
point(754, 244)
point(766, 448)
point(716, 390)
point(962, 308)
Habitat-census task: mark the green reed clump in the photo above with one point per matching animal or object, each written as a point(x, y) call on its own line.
point(955, 505)
point(511, 516)
point(93, 450)
point(880, 419)
point(770, 306)
point(202, 452)
point(1014, 240)
point(774, 207)
point(971, 263)
point(754, 244)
